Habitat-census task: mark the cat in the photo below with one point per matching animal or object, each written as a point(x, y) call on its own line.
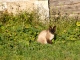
point(46, 36)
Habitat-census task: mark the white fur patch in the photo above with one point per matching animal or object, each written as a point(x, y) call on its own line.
point(51, 36)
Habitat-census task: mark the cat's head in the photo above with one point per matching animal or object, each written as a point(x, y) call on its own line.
point(52, 29)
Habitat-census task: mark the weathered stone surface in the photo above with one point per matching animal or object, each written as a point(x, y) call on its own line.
point(69, 7)
point(15, 6)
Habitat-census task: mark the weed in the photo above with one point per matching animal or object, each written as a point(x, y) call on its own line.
point(18, 36)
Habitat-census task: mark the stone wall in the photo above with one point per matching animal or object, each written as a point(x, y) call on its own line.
point(62, 7)
point(19, 6)
point(69, 7)
point(14, 6)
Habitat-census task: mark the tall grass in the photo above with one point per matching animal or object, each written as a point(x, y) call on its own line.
point(18, 34)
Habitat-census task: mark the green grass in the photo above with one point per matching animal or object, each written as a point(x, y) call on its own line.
point(18, 36)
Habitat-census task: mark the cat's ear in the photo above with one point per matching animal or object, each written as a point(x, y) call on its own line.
point(50, 27)
point(54, 28)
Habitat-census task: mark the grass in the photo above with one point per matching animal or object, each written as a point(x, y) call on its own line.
point(18, 36)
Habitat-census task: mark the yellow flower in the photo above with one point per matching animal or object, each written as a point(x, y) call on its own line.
point(78, 23)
